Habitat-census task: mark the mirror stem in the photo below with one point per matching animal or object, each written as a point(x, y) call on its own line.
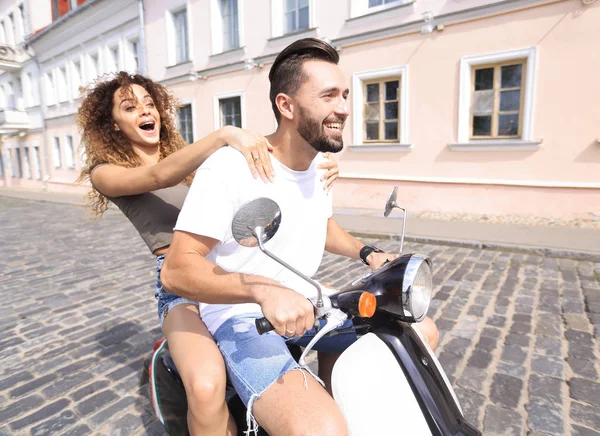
point(403, 227)
point(258, 234)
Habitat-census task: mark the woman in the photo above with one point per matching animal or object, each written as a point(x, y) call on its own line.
point(137, 160)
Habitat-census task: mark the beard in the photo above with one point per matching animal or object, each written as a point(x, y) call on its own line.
point(311, 130)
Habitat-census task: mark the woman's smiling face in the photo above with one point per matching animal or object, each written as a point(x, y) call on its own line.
point(136, 116)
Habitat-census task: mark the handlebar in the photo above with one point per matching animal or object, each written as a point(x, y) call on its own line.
point(263, 325)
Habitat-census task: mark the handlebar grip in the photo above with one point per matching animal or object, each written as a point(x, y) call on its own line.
point(263, 325)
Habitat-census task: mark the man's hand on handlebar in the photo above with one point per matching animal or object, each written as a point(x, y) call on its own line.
point(376, 260)
point(290, 312)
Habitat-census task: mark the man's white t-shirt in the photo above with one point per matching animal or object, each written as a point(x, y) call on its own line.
point(221, 186)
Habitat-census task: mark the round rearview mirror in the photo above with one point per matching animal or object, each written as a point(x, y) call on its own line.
point(391, 202)
point(260, 217)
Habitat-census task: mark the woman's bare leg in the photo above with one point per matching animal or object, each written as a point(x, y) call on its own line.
point(202, 371)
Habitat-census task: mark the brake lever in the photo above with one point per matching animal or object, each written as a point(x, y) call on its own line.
point(335, 318)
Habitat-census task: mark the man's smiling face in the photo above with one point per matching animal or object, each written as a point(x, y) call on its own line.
point(322, 106)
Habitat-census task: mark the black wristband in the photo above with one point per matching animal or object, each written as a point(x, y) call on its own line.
point(366, 251)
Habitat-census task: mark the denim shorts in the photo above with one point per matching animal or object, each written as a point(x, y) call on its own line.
point(166, 301)
point(254, 362)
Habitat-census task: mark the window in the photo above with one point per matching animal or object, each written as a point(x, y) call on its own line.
point(186, 123)
point(113, 60)
point(360, 8)
point(230, 112)
point(60, 8)
point(26, 166)
point(180, 26)
point(496, 103)
point(381, 110)
point(13, 28)
point(38, 163)
point(229, 16)
point(93, 66)
point(76, 77)
point(17, 170)
point(56, 152)
point(133, 56)
point(19, 94)
point(8, 28)
point(379, 107)
point(496, 100)
point(61, 84)
point(22, 20)
point(375, 3)
point(11, 101)
point(70, 153)
point(49, 90)
point(28, 90)
point(295, 15)
point(9, 165)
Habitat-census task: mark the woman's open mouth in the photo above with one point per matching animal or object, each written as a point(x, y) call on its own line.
point(148, 126)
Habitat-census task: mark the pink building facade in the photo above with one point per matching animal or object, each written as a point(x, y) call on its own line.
point(467, 106)
point(470, 106)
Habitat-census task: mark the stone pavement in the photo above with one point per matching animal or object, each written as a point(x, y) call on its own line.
point(519, 331)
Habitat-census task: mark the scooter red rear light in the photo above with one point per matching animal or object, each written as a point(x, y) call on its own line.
point(367, 305)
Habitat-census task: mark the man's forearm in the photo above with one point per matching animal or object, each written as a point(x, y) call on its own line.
point(339, 241)
point(194, 277)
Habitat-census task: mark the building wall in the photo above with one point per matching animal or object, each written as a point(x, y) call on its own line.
point(559, 165)
point(73, 52)
point(551, 171)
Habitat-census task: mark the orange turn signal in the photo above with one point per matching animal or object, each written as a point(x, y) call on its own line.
point(367, 305)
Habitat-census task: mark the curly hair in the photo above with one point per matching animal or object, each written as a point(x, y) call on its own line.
point(103, 144)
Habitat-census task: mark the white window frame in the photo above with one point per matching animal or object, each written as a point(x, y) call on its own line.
point(62, 84)
point(277, 18)
point(113, 58)
point(171, 37)
point(56, 153)
point(9, 28)
point(77, 76)
point(27, 173)
point(132, 55)
point(89, 60)
point(49, 88)
point(464, 103)
point(69, 152)
point(358, 108)
point(217, 42)
point(38, 161)
point(192, 104)
point(217, 109)
point(28, 96)
point(358, 8)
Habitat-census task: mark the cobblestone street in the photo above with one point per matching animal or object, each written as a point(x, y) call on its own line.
point(519, 332)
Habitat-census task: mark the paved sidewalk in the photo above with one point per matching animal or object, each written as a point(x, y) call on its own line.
point(519, 332)
point(573, 242)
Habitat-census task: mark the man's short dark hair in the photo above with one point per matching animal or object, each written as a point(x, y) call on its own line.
point(287, 73)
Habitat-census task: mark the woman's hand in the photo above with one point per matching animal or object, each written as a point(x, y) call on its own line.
point(255, 149)
point(333, 171)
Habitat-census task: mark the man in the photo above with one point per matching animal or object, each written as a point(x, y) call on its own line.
point(238, 284)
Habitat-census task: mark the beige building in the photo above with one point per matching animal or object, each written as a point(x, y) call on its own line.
point(472, 106)
point(468, 106)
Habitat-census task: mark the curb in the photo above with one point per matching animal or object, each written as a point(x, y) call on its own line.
point(480, 245)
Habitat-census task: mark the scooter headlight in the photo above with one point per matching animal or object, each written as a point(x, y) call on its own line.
point(417, 288)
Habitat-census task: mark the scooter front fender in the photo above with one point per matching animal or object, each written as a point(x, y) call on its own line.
point(389, 382)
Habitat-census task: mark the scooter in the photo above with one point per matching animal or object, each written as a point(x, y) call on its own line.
point(388, 382)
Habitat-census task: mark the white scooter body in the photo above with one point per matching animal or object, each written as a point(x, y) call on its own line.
point(369, 370)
